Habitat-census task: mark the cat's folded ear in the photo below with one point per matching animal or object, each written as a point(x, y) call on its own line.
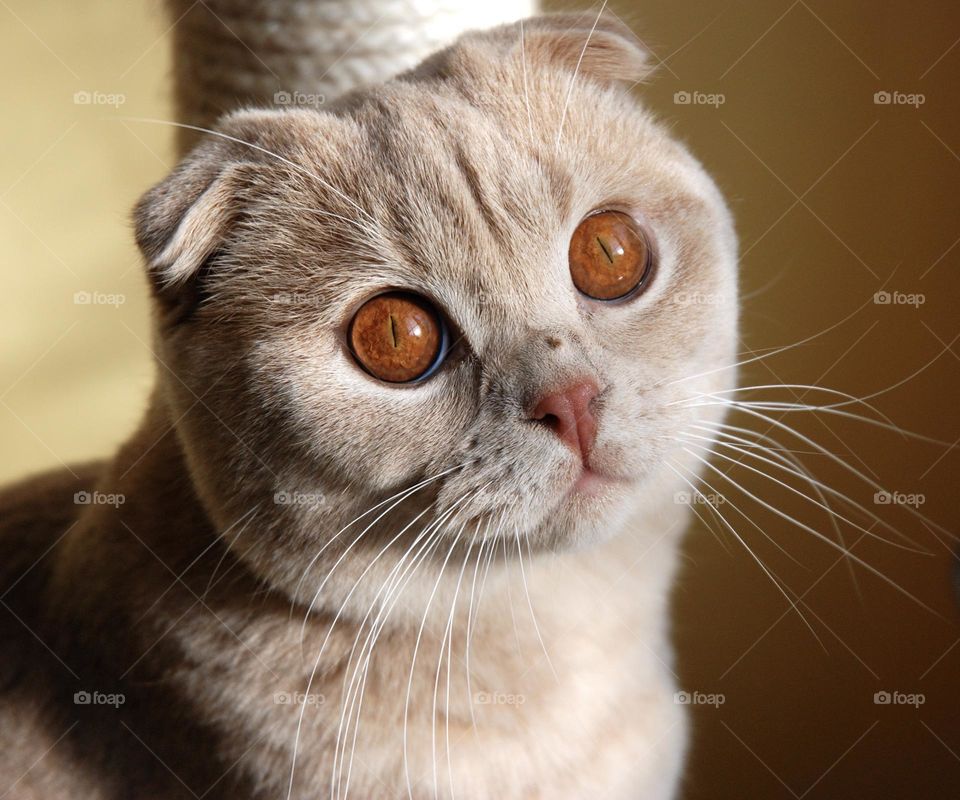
point(600, 48)
point(181, 221)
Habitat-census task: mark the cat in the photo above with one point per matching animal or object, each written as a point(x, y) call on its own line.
point(400, 519)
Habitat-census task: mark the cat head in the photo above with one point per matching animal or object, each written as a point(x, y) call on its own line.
point(488, 281)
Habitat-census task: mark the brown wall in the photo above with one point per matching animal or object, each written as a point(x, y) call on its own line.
point(878, 209)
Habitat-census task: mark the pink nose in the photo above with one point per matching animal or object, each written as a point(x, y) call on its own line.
point(567, 412)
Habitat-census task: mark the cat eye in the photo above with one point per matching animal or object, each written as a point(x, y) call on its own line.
point(398, 337)
point(610, 256)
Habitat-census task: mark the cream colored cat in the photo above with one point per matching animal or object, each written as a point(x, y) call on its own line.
point(400, 520)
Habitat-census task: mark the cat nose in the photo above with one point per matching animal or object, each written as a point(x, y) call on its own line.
point(568, 414)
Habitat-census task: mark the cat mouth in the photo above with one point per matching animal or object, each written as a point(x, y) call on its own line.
point(591, 482)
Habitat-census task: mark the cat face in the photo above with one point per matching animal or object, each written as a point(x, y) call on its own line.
point(453, 194)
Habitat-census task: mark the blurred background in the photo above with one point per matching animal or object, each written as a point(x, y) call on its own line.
point(833, 129)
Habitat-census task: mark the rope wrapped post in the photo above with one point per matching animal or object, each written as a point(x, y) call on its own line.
point(233, 53)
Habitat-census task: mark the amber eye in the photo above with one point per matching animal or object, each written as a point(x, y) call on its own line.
point(609, 255)
point(397, 337)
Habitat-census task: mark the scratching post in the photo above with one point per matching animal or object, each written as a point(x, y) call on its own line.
point(233, 53)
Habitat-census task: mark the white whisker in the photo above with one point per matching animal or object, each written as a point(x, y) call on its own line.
point(533, 616)
point(797, 492)
point(768, 572)
point(576, 71)
point(819, 535)
point(298, 167)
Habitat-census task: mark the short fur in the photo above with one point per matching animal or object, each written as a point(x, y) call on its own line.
point(462, 180)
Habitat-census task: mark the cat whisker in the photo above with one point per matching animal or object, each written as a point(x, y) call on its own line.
point(403, 494)
point(404, 491)
point(768, 572)
point(830, 409)
point(867, 566)
point(576, 71)
point(432, 526)
point(372, 233)
point(792, 386)
point(491, 554)
point(814, 483)
point(533, 616)
point(789, 458)
point(433, 534)
point(392, 588)
point(513, 615)
point(446, 641)
point(797, 492)
point(354, 682)
point(470, 622)
point(843, 464)
point(746, 516)
point(416, 650)
point(775, 351)
point(708, 526)
point(298, 167)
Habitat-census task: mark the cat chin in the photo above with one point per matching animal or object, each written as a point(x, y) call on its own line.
point(594, 510)
point(593, 484)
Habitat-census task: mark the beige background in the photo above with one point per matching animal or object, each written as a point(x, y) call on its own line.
point(836, 198)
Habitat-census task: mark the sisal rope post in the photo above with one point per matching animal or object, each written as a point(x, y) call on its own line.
point(234, 53)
